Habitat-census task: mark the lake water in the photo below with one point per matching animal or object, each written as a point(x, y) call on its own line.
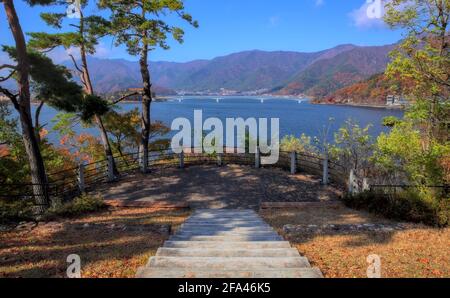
point(295, 117)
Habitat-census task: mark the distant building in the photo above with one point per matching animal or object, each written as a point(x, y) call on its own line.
point(394, 100)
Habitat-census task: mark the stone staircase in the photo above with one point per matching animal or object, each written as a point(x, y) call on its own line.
point(227, 244)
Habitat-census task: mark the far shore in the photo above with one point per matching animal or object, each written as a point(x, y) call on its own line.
point(401, 107)
point(165, 98)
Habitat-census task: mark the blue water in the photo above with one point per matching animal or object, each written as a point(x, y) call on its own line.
point(295, 118)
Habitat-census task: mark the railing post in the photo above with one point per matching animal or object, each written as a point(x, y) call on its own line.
point(143, 160)
point(325, 179)
point(257, 158)
point(366, 185)
point(182, 160)
point(219, 159)
point(110, 169)
point(351, 180)
point(81, 184)
point(293, 163)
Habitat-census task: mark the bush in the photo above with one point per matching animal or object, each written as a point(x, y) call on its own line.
point(81, 205)
point(15, 211)
point(405, 205)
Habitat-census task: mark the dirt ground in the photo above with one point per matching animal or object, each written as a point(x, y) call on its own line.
point(415, 251)
point(106, 242)
point(233, 187)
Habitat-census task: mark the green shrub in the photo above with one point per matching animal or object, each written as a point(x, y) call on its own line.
point(408, 205)
point(15, 211)
point(80, 205)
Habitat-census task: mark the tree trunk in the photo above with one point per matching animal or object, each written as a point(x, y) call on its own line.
point(146, 102)
point(37, 125)
point(37, 168)
point(89, 89)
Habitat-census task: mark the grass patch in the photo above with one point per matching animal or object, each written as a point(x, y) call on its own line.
point(78, 206)
point(15, 211)
point(105, 253)
point(417, 251)
point(412, 206)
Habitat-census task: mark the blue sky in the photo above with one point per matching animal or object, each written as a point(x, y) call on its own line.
point(228, 26)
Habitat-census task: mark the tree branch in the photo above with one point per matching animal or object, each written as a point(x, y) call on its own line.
point(12, 97)
point(75, 63)
point(2, 79)
point(8, 66)
point(124, 97)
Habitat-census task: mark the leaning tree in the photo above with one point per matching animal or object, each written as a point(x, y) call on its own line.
point(84, 36)
point(32, 70)
point(140, 26)
point(22, 103)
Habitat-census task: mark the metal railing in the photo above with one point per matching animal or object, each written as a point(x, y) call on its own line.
point(69, 183)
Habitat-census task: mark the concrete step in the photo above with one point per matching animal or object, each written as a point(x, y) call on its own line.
point(240, 216)
point(224, 213)
point(225, 222)
point(221, 263)
point(226, 226)
point(226, 238)
point(191, 233)
point(220, 252)
point(212, 232)
point(145, 272)
point(227, 245)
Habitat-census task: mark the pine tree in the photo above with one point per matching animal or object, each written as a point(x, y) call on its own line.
point(138, 25)
point(88, 30)
point(21, 101)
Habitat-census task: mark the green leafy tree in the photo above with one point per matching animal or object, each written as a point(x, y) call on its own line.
point(404, 159)
point(124, 131)
point(353, 146)
point(303, 144)
point(423, 57)
point(140, 26)
point(390, 121)
point(86, 33)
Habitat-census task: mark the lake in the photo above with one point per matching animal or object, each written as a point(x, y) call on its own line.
point(295, 117)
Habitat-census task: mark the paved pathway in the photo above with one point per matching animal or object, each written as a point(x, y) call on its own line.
point(227, 244)
point(212, 187)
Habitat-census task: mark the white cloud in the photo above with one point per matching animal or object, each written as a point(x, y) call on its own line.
point(274, 21)
point(61, 54)
point(369, 15)
point(102, 51)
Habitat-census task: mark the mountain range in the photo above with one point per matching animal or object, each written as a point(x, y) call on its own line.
point(315, 74)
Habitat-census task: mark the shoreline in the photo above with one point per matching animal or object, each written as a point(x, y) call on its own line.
point(164, 99)
point(373, 106)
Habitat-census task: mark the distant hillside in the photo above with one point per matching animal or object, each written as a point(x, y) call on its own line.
point(244, 71)
point(316, 74)
point(112, 75)
point(250, 70)
point(372, 91)
point(327, 75)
